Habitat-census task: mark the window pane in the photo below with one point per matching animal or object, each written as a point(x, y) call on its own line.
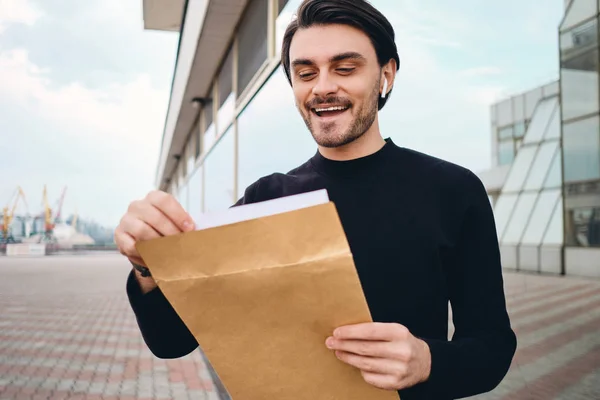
point(541, 119)
point(579, 11)
point(554, 178)
point(272, 136)
point(580, 85)
point(502, 211)
point(285, 17)
point(583, 227)
point(519, 219)
point(519, 129)
point(532, 98)
point(506, 152)
point(520, 169)
point(541, 217)
point(183, 196)
point(252, 42)
point(581, 143)
point(518, 108)
point(553, 130)
point(506, 132)
point(554, 233)
point(219, 170)
point(195, 194)
point(505, 115)
point(226, 96)
point(190, 149)
point(541, 166)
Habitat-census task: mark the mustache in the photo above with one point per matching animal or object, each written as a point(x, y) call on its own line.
point(314, 103)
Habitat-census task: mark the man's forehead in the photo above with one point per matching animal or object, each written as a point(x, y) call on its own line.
point(325, 43)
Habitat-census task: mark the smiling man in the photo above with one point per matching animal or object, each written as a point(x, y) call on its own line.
point(421, 229)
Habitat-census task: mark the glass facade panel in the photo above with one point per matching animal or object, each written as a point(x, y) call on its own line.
point(555, 232)
point(554, 178)
point(541, 166)
point(505, 114)
point(285, 17)
point(272, 137)
point(183, 196)
point(581, 144)
point(505, 133)
point(519, 129)
point(583, 227)
point(580, 85)
point(520, 218)
point(226, 106)
point(553, 130)
point(503, 210)
point(532, 98)
point(579, 11)
point(195, 194)
point(541, 217)
point(252, 42)
point(210, 133)
point(219, 174)
point(541, 119)
point(520, 169)
point(190, 150)
point(518, 108)
point(506, 152)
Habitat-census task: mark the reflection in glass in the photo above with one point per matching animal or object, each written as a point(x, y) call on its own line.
point(195, 194)
point(583, 227)
point(219, 174)
point(578, 11)
point(252, 42)
point(541, 119)
point(190, 150)
point(581, 146)
point(554, 178)
point(580, 85)
point(183, 196)
point(226, 105)
point(520, 169)
point(519, 219)
point(541, 165)
point(554, 233)
point(505, 116)
point(506, 152)
point(532, 98)
point(503, 210)
point(541, 217)
point(226, 113)
point(272, 136)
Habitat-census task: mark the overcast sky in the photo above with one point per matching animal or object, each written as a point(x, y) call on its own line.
point(84, 89)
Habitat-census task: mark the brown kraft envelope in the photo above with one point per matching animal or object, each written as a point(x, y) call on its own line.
point(261, 296)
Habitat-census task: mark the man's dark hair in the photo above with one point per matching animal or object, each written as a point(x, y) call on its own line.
point(359, 14)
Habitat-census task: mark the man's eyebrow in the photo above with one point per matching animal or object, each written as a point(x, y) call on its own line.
point(350, 55)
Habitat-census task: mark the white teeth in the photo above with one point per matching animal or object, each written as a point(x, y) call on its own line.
point(330, 109)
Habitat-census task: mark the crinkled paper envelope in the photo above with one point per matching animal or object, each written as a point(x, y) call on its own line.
point(262, 294)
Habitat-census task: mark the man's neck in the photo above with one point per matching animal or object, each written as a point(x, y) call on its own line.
point(370, 142)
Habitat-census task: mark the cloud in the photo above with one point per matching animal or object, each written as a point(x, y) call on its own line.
point(108, 138)
point(18, 12)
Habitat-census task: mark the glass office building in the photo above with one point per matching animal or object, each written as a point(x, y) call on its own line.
point(232, 119)
point(545, 184)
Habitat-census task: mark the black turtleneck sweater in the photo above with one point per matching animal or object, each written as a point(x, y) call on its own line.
point(422, 234)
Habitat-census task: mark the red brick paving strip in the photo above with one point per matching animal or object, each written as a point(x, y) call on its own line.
point(549, 292)
point(556, 318)
point(550, 385)
point(554, 304)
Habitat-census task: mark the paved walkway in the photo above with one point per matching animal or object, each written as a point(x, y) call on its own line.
point(67, 332)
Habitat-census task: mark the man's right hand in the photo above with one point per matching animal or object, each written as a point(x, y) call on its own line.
point(158, 214)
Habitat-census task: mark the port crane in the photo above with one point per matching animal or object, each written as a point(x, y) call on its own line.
point(8, 214)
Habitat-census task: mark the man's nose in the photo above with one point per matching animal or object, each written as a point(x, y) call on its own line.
point(325, 85)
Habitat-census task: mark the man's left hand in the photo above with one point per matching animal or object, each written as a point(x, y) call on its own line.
point(388, 355)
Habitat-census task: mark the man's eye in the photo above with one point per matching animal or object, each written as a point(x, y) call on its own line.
point(306, 75)
point(345, 70)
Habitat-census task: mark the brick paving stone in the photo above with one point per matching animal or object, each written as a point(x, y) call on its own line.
point(67, 332)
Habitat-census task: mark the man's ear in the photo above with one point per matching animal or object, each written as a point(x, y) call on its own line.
point(388, 75)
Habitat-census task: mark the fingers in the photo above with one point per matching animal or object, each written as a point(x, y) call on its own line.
point(152, 216)
point(167, 204)
point(373, 365)
point(367, 348)
point(372, 331)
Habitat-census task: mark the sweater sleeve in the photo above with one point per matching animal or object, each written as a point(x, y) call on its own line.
point(480, 353)
point(163, 330)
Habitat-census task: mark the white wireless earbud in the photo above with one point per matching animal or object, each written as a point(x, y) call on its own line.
point(385, 86)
